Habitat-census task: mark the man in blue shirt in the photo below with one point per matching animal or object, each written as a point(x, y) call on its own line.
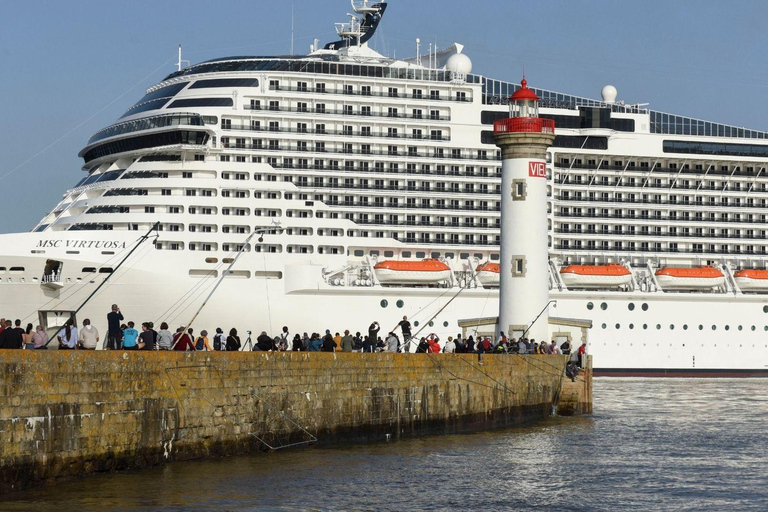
point(129, 337)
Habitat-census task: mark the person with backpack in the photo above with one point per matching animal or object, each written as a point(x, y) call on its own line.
point(202, 343)
point(218, 340)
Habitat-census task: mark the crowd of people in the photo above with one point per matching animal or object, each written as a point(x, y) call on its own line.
point(125, 336)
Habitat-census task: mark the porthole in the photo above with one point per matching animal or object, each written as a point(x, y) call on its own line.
point(658, 327)
point(753, 327)
point(445, 324)
point(685, 327)
point(431, 324)
point(701, 327)
point(384, 303)
point(671, 327)
point(645, 326)
point(603, 306)
point(741, 327)
point(765, 309)
point(631, 326)
point(765, 328)
point(604, 326)
point(631, 306)
point(590, 306)
point(416, 323)
point(618, 326)
point(727, 327)
point(400, 303)
point(714, 327)
point(645, 307)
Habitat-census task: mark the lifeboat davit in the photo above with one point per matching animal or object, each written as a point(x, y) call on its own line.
point(429, 271)
point(611, 275)
point(489, 274)
point(685, 278)
point(752, 280)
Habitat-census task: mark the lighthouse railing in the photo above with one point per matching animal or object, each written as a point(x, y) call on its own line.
point(524, 125)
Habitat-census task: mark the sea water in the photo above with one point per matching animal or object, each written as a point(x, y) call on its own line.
point(651, 444)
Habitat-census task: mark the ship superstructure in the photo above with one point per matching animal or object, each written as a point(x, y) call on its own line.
point(355, 164)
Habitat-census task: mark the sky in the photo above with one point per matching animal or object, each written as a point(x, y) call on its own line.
point(69, 68)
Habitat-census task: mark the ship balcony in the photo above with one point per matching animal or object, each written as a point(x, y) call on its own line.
point(52, 282)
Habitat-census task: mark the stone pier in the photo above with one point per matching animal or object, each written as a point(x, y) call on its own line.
point(66, 414)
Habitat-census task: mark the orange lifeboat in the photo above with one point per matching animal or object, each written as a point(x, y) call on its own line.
point(611, 275)
point(687, 278)
point(489, 274)
point(429, 271)
point(751, 280)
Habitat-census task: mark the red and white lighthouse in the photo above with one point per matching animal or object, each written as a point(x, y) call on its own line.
point(524, 281)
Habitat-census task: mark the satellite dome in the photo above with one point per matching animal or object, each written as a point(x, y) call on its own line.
point(459, 63)
point(609, 93)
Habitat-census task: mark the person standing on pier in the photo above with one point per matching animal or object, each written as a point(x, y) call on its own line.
point(582, 352)
point(405, 326)
point(10, 337)
point(347, 342)
point(114, 334)
point(373, 335)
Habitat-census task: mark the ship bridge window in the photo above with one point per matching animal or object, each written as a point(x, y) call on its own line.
point(202, 102)
point(225, 82)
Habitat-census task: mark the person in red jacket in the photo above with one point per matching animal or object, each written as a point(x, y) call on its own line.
point(434, 346)
point(582, 352)
point(182, 341)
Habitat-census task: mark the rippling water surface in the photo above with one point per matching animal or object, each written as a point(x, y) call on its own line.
point(655, 444)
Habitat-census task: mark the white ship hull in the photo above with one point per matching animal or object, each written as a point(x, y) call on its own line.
point(697, 333)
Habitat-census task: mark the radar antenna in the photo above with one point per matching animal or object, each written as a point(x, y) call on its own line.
point(180, 63)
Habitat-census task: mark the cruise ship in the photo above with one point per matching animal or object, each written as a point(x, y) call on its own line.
point(329, 190)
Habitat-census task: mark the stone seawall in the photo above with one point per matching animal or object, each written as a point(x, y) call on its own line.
point(66, 414)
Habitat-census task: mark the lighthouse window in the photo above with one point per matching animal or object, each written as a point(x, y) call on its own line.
point(518, 190)
point(518, 267)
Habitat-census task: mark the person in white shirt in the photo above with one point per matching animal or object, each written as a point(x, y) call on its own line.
point(450, 346)
point(554, 349)
point(68, 336)
point(89, 336)
point(392, 342)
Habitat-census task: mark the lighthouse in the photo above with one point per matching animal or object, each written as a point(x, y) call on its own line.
point(524, 284)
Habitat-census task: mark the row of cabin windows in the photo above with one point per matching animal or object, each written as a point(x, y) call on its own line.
point(367, 90)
